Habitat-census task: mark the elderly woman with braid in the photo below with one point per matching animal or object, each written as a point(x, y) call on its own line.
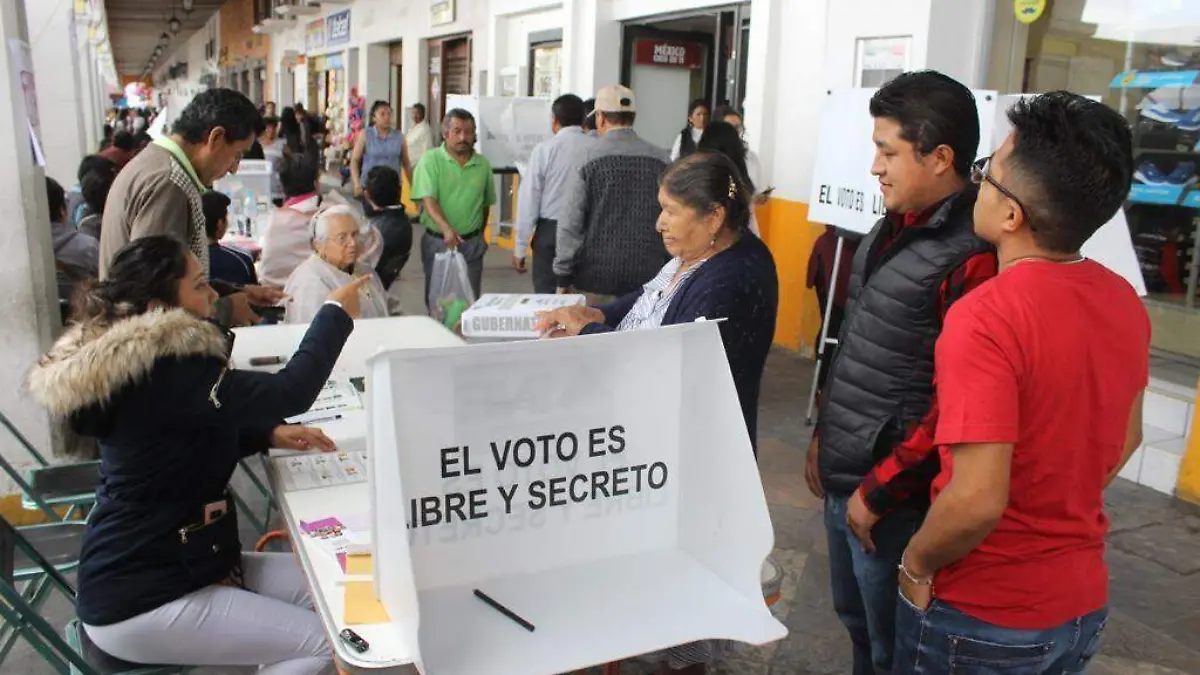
point(338, 235)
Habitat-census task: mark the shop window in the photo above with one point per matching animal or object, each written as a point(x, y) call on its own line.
point(1142, 57)
point(545, 72)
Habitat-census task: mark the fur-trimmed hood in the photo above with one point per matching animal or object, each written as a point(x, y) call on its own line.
point(92, 362)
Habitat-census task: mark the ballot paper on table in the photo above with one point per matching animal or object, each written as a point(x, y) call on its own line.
point(318, 470)
point(337, 396)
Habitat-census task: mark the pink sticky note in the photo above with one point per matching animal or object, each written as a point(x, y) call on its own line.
point(341, 558)
point(315, 525)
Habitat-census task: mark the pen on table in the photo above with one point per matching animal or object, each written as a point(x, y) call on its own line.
point(319, 420)
point(503, 610)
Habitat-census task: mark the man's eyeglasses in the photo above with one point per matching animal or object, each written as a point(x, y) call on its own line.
point(981, 171)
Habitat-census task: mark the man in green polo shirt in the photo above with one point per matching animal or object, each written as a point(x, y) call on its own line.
point(455, 185)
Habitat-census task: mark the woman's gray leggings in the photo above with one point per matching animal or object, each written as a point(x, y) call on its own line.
point(271, 624)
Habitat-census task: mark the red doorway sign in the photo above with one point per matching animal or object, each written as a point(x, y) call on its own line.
point(668, 53)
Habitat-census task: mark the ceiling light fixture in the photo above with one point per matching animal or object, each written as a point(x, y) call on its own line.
point(174, 24)
point(164, 40)
point(188, 5)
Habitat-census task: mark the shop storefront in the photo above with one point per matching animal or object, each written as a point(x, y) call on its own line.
point(672, 60)
point(328, 85)
point(449, 63)
point(1142, 57)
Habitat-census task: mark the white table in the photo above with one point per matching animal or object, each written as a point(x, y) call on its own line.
point(325, 576)
point(370, 336)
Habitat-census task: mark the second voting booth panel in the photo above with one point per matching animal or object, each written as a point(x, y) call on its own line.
point(596, 487)
point(846, 195)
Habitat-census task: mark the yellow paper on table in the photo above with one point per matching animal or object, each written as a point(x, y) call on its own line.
point(359, 563)
point(362, 606)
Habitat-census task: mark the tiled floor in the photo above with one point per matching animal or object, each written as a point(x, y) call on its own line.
point(1154, 550)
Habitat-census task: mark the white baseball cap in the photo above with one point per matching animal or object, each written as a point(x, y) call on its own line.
point(615, 99)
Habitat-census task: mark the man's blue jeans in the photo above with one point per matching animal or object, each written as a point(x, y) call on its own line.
point(865, 584)
point(942, 639)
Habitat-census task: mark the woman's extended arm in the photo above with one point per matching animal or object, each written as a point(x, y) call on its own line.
point(250, 399)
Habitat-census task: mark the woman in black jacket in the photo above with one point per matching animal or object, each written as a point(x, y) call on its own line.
point(162, 577)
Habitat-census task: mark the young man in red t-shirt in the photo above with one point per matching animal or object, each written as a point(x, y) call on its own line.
point(1040, 374)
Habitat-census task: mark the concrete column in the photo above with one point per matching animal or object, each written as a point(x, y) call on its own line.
point(766, 48)
point(61, 96)
point(591, 47)
point(960, 35)
point(374, 77)
point(28, 304)
point(92, 117)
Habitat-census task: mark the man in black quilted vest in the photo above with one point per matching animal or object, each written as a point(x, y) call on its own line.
point(873, 458)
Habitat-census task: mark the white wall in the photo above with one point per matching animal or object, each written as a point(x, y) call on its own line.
point(819, 38)
point(624, 10)
point(29, 305)
point(510, 48)
point(783, 104)
point(798, 50)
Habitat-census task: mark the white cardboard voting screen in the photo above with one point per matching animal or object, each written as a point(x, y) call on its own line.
point(846, 195)
point(595, 486)
point(508, 128)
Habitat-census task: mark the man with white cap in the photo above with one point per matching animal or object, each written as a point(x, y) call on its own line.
point(607, 243)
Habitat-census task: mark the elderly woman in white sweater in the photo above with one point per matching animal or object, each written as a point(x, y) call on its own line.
point(338, 235)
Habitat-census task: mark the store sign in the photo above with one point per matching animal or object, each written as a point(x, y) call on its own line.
point(441, 12)
point(668, 53)
point(337, 28)
point(1134, 79)
point(1028, 11)
point(314, 35)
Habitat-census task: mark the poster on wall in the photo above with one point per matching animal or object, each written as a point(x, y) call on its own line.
point(568, 498)
point(880, 59)
point(22, 64)
point(441, 12)
point(314, 35)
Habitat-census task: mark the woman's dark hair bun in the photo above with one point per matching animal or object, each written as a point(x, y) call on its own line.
point(144, 271)
point(705, 181)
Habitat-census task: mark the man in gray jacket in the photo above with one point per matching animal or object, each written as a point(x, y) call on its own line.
point(158, 193)
point(607, 242)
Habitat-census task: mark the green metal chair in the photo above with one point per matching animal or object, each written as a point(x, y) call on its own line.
point(74, 485)
point(244, 510)
point(48, 485)
point(21, 558)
